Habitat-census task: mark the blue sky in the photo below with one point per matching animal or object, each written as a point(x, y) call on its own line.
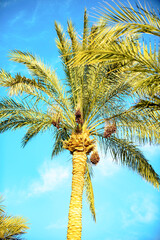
point(38, 188)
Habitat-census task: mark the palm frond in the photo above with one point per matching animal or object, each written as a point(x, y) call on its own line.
point(77, 73)
point(46, 76)
point(89, 191)
point(11, 227)
point(36, 127)
point(65, 50)
point(141, 19)
point(64, 46)
point(73, 36)
point(38, 69)
point(139, 125)
point(18, 85)
point(146, 83)
point(129, 155)
point(153, 105)
point(91, 81)
point(85, 30)
point(60, 136)
point(15, 115)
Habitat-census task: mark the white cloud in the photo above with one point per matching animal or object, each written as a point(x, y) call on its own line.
point(50, 176)
point(145, 212)
point(106, 166)
point(142, 210)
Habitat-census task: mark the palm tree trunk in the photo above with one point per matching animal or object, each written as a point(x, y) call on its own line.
point(75, 209)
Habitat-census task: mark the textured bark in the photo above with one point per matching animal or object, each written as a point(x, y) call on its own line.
point(79, 145)
point(75, 209)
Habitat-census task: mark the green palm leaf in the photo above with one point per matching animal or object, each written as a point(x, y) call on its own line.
point(129, 155)
point(141, 19)
point(85, 30)
point(89, 191)
point(11, 227)
point(60, 136)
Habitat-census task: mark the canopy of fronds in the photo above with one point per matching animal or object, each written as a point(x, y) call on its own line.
point(90, 97)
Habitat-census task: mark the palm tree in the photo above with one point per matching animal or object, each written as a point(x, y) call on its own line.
point(11, 227)
point(87, 109)
point(114, 43)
